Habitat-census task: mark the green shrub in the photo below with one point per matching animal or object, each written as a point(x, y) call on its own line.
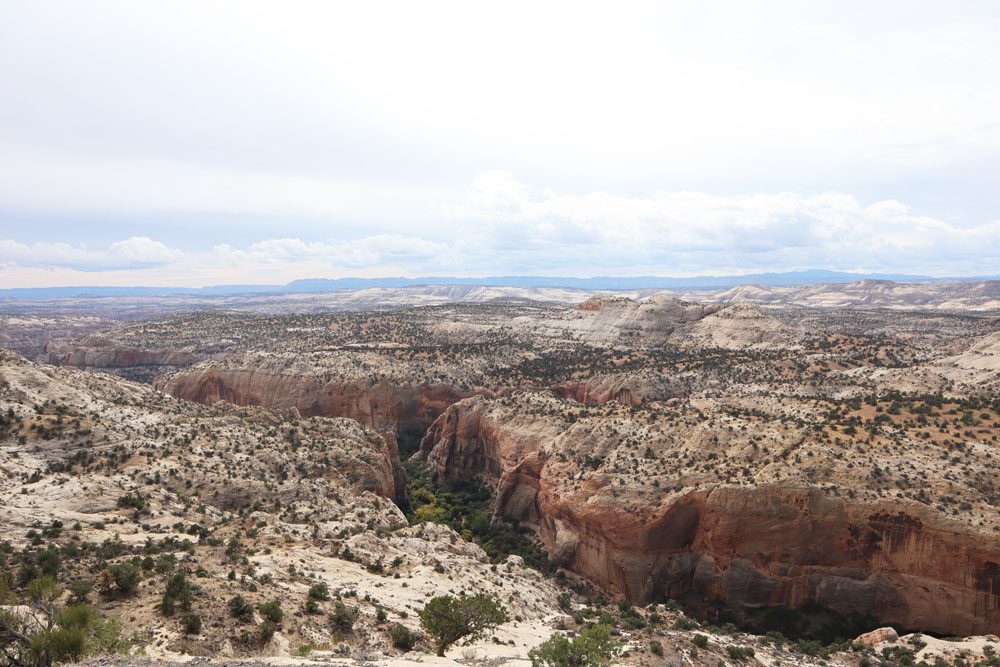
point(271, 610)
point(685, 623)
point(80, 590)
point(319, 592)
point(240, 609)
point(402, 637)
point(191, 623)
point(132, 500)
point(591, 648)
point(266, 631)
point(701, 641)
point(447, 618)
point(177, 593)
point(343, 617)
point(75, 632)
point(58, 645)
point(740, 653)
point(125, 577)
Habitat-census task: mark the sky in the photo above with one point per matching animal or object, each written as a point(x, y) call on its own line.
point(200, 143)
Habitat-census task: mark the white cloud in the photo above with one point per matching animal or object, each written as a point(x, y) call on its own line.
point(502, 226)
point(666, 232)
point(132, 253)
point(367, 252)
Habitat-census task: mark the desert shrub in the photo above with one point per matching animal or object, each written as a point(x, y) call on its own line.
point(69, 634)
point(343, 617)
point(266, 631)
point(740, 653)
point(125, 577)
point(592, 648)
point(685, 623)
point(319, 592)
point(79, 590)
point(240, 609)
point(191, 623)
point(132, 500)
point(402, 637)
point(271, 610)
point(177, 594)
point(447, 618)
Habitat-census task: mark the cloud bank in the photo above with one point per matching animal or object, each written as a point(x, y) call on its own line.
point(500, 225)
point(137, 252)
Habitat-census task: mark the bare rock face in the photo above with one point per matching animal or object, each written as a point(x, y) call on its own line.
point(869, 293)
point(621, 320)
point(298, 501)
point(976, 370)
point(877, 636)
point(770, 539)
point(661, 318)
point(377, 402)
point(627, 388)
point(740, 326)
point(129, 362)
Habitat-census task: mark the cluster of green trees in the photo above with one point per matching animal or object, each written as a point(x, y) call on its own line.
point(467, 508)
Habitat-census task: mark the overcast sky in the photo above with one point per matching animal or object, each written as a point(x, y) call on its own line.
point(193, 143)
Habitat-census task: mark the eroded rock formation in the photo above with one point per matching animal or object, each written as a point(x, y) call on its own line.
point(670, 530)
point(627, 388)
point(377, 402)
point(130, 362)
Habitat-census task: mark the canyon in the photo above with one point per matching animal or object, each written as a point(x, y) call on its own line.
point(775, 541)
point(826, 469)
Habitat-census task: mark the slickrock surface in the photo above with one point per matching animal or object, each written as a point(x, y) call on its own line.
point(955, 296)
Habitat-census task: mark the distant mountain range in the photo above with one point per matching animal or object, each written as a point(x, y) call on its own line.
point(313, 285)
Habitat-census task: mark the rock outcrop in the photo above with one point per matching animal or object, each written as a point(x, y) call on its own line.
point(627, 388)
point(63, 425)
point(945, 296)
point(130, 362)
point(382, 403)
point(622, 321)
point(769, 540)
point(739, 327)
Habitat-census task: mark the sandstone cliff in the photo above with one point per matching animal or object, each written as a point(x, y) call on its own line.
point(130, 362)
point(676, 521)
point(629, 388)
point(385, 403)
point(661, 318)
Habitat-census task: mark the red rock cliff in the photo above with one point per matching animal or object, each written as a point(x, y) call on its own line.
point(746, 546)
point(380, 404)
